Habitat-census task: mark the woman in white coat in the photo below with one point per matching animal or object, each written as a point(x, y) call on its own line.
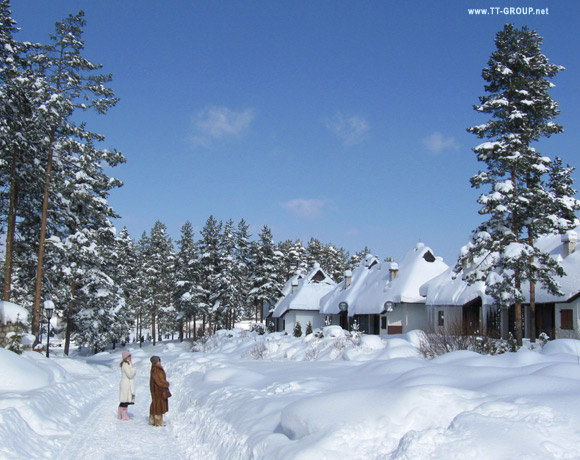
point(127, 385)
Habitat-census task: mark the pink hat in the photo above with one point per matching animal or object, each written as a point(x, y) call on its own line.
point(126, 354)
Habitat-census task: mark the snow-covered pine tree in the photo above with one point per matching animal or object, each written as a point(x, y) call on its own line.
point(518, 79)
point(144, 291)
point(562, 191)
point(187, 277)
point(209, 259)
point(315, 253)
point(126, 274)
point(229, 282)
point(158, 272)
point(295, 257)
point(74, 85)
point(267, 277)
point(334, 262)
point(22, 91)
point(244, 264)
point(356, 259)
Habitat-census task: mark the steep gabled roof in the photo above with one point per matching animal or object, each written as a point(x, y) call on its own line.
point(329, 304)
point(450, 289)
point(308, 293)
point(417, 267)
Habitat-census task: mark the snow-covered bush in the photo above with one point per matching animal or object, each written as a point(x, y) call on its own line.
point(258, 327)
point(297, 329)
point(308, 328)
point(15, 337)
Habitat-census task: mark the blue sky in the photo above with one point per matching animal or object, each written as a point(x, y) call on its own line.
point(340, 120)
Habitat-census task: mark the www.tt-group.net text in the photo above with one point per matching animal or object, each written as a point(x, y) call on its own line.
point(508, 11)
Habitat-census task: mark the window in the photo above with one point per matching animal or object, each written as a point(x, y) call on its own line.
point(566, 319)
point(441, 318)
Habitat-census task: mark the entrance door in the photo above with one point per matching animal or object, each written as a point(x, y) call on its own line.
point(545, 319)
point(471, 317)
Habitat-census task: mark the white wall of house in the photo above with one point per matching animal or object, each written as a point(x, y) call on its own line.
point(449, 315)
point(407, 315)
point(563, 331)
point(303, 317)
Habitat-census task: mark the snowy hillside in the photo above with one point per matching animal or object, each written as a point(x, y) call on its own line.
point(245, 396)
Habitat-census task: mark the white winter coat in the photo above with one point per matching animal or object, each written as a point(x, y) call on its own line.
point(127, 385)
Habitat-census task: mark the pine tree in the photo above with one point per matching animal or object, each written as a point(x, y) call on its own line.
point(244, 264)
point(187, 276)
point(158, 268)
point(295, 257)
point(356, 259)
point(209, 259)
point(229, 282)
point(267, 277)
point(126, 276)
point(518, 80)
point(74, 86)
point(315, 252)
point(22, 92)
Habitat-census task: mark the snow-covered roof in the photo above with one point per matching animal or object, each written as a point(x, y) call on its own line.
point(12, 313)
point(307, 294)
point(570, 283)
point(450, 289)
point(417, 267)
point(329, 304)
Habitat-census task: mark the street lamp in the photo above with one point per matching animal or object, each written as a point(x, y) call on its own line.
point(48, 310)
point(343, 307)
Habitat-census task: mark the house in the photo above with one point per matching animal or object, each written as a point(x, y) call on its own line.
point(335, 305)
point(383, 298)
point(301, 304)
point(557, 316)
point(456, 307)
point(392, 304)
point(10, 315)
point(452, 302)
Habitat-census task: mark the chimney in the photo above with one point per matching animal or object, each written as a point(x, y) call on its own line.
point(347, 278)
point(569, 241)
point(294, 285)
point(393, 270)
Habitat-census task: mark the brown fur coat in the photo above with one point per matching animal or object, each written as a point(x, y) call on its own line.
point(158, 385)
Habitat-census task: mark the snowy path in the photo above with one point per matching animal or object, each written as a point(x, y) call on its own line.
point(100, 436)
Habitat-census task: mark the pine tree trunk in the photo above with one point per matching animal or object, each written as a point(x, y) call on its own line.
point(11, 230)
point(40, 261)
point(153, 326)
point(532, 293)
point(69, 321)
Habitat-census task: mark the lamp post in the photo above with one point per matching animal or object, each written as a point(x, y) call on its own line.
point(48, 310)
point(343, 307)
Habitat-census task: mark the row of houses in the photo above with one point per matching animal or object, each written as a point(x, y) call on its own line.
point(423, 292)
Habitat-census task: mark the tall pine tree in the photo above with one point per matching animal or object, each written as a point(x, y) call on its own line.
point(522, 112)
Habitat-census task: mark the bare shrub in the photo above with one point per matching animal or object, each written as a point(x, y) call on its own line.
point(440, 340)
point(258, 351)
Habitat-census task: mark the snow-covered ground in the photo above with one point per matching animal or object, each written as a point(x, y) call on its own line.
point(244, 396)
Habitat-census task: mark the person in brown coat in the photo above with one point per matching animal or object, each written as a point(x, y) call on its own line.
point(160, 393)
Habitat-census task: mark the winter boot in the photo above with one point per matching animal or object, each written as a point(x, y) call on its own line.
point(151, 420)
point(120, 413)
point(159, 420)
point(124, 414)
